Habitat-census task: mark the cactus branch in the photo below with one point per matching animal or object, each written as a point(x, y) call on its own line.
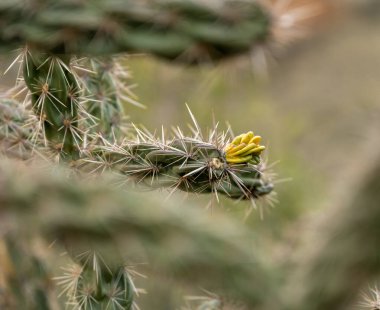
point(54, 94)
point(191, 164)
point(188, 31)
point(216, 254)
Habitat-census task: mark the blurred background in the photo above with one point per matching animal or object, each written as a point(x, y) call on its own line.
point(316, 103)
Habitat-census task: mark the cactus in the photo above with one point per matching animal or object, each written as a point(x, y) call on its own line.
point(79, 119)
point(213, 253)
point(75, 100)
point(371, 300)
point(106, 90)
point(54, 94)
point(17, 128)
point(92, 284)
point(21, 260)
point(191, 164)
point(188, 31)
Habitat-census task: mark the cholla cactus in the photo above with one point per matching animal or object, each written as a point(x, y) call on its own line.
point(183, 30)
point(92, 284)
point(212, 253)
point(189, 31)
point(74, 100)
point(80, 119)
point(54, 94)
point(105, 88)
point(192, 164)
point(17, 127)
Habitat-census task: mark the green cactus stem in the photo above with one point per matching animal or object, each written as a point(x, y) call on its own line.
point(190, 164)
point(212, 253)
point(17, 127)
point(106, 91)
point(189, 31)
point(54, 94)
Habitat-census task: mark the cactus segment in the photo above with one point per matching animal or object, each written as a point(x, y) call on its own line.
point(191, 164)
point(105, 92)
point(17, 128)
point(190, 31)
point(54, 94)
point(92, 284)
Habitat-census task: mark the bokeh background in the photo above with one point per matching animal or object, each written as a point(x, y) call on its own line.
point(317, 106)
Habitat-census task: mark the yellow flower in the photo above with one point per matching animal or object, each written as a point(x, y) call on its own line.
point(244, 148)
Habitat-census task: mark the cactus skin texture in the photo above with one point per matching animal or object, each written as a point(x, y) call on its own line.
point(54, 95)
point(187, 31)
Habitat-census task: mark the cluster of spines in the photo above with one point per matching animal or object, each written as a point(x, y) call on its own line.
point(92, 284)
point(106, 91)
point(54, 93)
point(190, 164)
point(16, 129)
point(371, 299)
point(75, 100)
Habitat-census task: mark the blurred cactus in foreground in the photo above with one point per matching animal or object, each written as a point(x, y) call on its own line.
point(190, 31)
point(16, 128)
point(213, 253)
point(206, 252)
point(182, 30)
